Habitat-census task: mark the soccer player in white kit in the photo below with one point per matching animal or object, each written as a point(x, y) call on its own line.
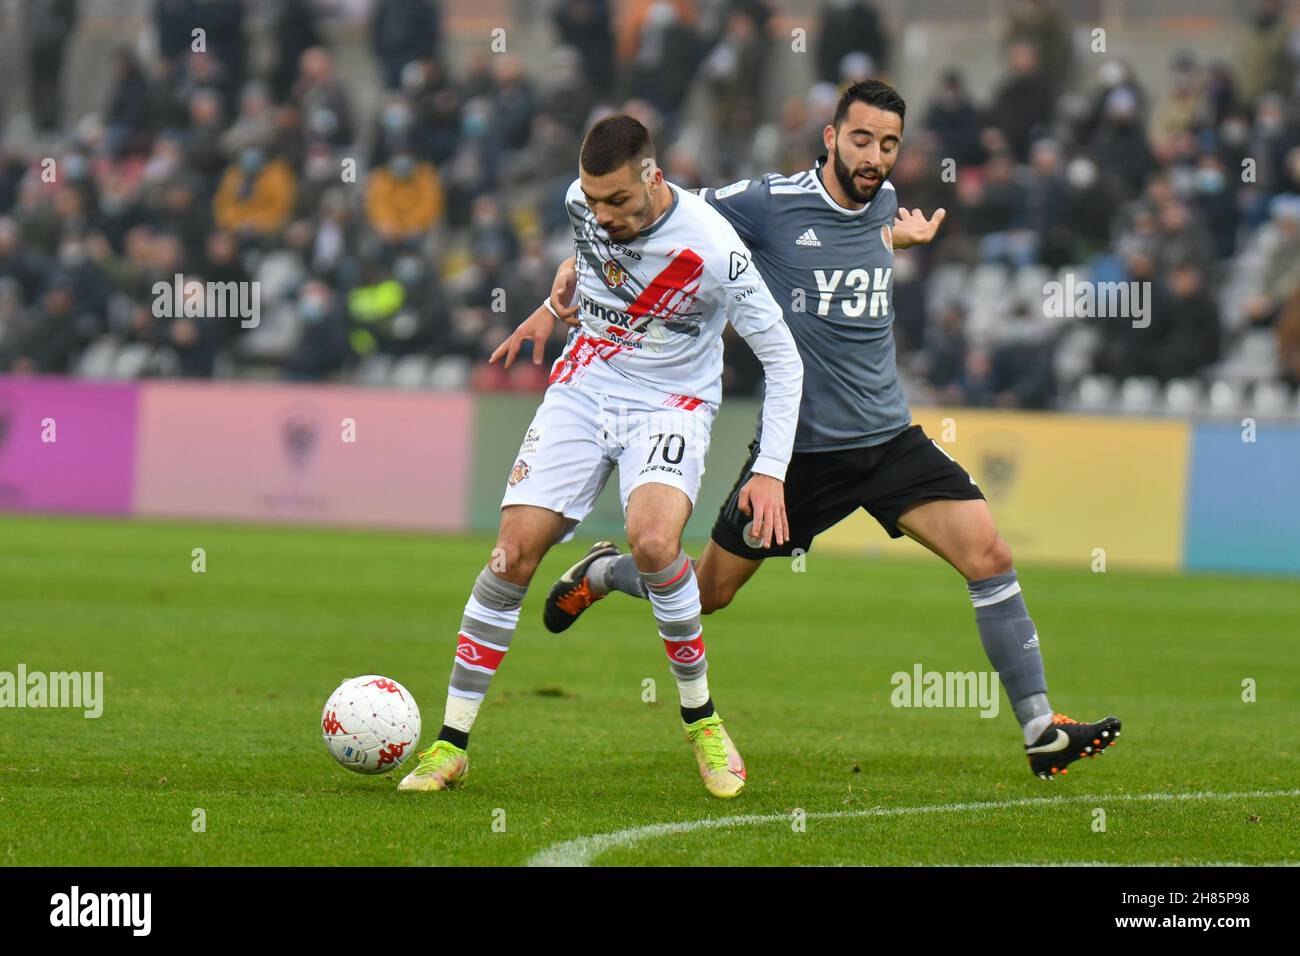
point(660, 273)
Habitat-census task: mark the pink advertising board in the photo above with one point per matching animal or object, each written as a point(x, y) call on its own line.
point(303, 454)
point(66, 445)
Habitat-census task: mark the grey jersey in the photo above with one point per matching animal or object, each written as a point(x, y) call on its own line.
point(831, 270)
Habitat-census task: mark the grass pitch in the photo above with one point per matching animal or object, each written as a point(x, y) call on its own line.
point(214, 684)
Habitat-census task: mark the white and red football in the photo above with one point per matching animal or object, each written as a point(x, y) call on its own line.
point(371, 724)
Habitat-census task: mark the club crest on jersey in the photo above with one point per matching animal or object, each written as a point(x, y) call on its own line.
point(887, 236)
point(614, 274)
point(519, 472)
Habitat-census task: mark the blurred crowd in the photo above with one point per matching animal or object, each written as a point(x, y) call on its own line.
point(1066, 174)
point(418, 233)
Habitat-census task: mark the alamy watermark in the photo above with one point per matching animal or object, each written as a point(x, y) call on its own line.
point(82, 690)
point(130, 910)
point(922, 688)
point(191, 299)
point(1084, 299)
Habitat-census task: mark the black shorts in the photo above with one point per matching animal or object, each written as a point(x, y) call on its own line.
point(824, 487)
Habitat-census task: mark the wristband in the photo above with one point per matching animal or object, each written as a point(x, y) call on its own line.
point(550, 308)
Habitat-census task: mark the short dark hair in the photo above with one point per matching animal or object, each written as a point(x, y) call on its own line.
point(614, 141)
point(874, 93)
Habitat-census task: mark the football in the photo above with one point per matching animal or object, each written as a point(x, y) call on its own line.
point(371, 724)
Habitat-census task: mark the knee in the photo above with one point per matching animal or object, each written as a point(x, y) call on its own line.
point(992, 559)
point(714, 599)
point(653, 548)
point(513, 560)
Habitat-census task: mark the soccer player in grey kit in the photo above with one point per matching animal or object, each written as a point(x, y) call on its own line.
point(824, 240)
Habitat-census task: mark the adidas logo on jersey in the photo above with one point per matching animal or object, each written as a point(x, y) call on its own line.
point(809, 238)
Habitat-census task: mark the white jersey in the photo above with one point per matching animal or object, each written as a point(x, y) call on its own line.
point(653, 309)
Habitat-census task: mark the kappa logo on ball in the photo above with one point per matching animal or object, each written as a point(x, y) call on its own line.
point(330, 724)
point(519, 472)
point(385, 684)
point(393, 753)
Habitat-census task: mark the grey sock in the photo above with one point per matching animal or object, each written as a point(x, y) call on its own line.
point(616, 573)
point(486, 629)
point(676, 598)
point(1011, 642)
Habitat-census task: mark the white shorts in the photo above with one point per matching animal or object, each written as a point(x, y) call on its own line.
point(579, 434)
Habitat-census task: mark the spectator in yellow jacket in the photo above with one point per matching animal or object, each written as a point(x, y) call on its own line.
point(404, 198)
point(256, 194)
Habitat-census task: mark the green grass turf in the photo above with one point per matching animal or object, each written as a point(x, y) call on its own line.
point(214, 684)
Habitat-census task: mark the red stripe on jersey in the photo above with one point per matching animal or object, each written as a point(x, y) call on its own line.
point(472, 652)
point(685, 652)
point(585, 349)
point(664, 297)
point(669, 290)
point(686, 402)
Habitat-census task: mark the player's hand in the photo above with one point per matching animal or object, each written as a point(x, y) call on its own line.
point(763, 499)
point(566, 283)
point(536, 328)
point(911, 228)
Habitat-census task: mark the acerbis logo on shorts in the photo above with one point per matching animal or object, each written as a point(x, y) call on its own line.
point(519, 472)
point(667, 468)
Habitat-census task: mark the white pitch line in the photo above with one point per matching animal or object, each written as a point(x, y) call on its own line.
point(581, 851)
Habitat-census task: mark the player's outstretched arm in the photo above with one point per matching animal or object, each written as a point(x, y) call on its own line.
point(563, 300)
point(763, 496)
point(536, 328)
point(755, 315)
point(911, 228)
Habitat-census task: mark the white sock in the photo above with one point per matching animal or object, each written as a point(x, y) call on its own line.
point(461, 711)
point(1035, 727)
point(694, 691)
